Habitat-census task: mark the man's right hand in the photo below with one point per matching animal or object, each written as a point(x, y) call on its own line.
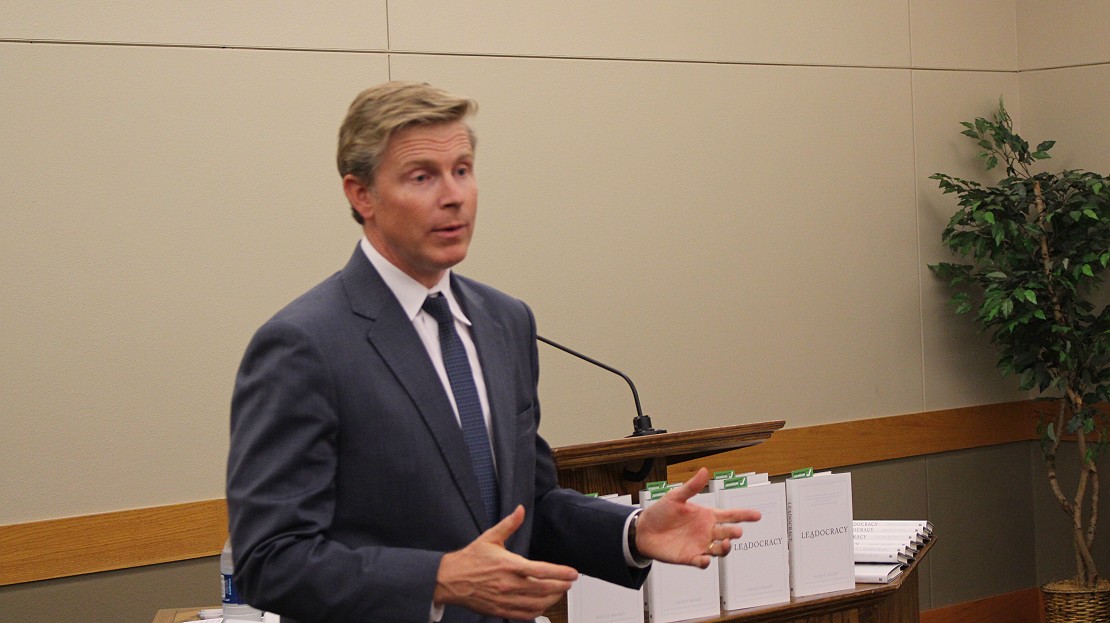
point(487, 578)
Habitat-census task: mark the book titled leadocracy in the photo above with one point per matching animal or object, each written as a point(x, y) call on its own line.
point(756, 572)
point(591, 600)
point(678, 592)
point(819, 522)
point(877, 573)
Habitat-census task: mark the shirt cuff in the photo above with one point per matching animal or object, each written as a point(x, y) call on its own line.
point(632, 559)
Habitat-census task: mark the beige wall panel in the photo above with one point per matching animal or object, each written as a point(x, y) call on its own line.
point(1062, 34)
point(348, 24)
point(1055, 558)
point(1069, 106)
point(863, 32)
point(125, 596)
point(159, 204)
point(981, 505)
point(959, 361)
point(956, 34)
point(739, 239)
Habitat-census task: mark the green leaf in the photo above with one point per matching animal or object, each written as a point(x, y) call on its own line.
point(1090, 213)
point(1040, 314)
point(1050, 432)
point(1031, 297)
point(1087, 270)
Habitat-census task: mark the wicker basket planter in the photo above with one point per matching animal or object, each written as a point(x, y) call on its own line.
point(1066, 602)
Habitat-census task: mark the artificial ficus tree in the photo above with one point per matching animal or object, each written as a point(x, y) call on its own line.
point(1038, 244)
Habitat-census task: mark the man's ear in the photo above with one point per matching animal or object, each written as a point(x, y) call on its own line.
point(360, 196)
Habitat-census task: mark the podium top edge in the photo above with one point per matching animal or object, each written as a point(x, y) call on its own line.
point(665, 445)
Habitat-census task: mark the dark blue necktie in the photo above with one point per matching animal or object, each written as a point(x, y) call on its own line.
point(466, 399)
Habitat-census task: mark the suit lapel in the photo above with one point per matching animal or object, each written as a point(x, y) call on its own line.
point(393, 337)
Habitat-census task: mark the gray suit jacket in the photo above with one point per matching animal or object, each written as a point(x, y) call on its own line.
point(348, 477)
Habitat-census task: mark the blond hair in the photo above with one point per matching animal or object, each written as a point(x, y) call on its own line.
point(379, 112)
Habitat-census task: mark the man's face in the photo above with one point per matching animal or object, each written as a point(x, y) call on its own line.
point(419, 213)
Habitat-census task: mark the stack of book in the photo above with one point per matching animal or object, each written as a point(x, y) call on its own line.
point(807, 543)
point(757, 571)
point(678, 592)
point(819, 524)
point(883, 548)
point(591, 600)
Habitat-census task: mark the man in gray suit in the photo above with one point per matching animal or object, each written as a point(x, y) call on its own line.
point(385, 464)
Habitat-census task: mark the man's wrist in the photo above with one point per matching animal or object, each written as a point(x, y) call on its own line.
point(634, 552)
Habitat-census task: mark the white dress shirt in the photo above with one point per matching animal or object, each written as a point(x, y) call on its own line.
point(411, 295)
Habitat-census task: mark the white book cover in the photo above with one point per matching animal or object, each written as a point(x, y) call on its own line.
point(591, 600)
point(877, 574)
point(910, 536)
point(922, 526)
point(756, 572)
point(678, 592)
point(874, 555)
point(819, 521)
point(757, 479)
point(909, 542)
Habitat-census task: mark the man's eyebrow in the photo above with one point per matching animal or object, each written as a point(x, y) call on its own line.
point(431, 163)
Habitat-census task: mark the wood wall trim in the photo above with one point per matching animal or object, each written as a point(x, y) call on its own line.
point(132, 538)
point(827, 446)
point(1022, 606)
point(57, 548)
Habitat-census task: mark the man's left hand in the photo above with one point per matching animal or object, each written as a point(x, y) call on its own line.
point(677, 531)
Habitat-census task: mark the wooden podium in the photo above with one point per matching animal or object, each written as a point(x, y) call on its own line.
point(604, 467)
point(623, 465)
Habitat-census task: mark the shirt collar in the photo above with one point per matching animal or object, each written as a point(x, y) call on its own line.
point(409, 292)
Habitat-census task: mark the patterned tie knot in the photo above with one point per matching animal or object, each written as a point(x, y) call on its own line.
point(437, 306)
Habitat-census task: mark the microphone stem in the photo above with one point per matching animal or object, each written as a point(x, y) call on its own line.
point(635, 394)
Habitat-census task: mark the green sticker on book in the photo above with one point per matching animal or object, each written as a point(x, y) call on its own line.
point(723, 474)
point(805, 472)
point(656, 485)
point(738, 482)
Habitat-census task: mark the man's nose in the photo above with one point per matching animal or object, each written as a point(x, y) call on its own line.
point(452, 192)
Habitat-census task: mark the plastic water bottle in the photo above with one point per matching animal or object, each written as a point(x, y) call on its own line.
point(234, 608)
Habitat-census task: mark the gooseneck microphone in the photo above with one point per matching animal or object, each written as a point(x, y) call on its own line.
point(641, 424)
